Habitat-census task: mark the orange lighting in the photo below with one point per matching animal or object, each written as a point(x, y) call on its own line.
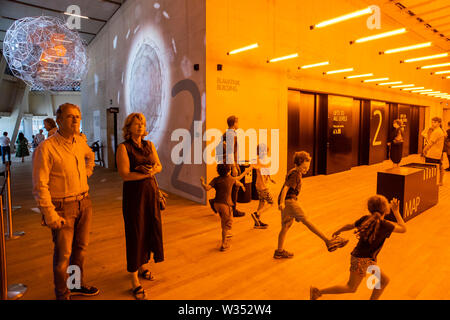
point(435, 66)
point(404, 86)
point(359, 76)
point(342, 18)
point(416, 88)
point(389, 83)
point(315, 65)
point(436, 56)
point(380, 35)
point(441, 72)
point(375, 80)
point(291, 56)
point(252, 46)
point(423, 90)
point(414, 47)
point(339, 71)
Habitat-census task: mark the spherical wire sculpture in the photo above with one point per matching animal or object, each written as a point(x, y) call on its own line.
point(45, 53)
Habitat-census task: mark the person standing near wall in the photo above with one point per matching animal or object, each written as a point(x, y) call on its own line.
point(435, 145)
point(396, 143)
point(137, 163)
point(5, 146)
point(50, 126)
point(61, 167)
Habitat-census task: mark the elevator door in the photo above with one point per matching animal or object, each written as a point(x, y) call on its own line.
point(301, 120)
point(356, 123)
point(339, 135)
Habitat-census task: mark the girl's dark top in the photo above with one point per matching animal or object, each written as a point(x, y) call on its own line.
point(364, 249)
point(223, 186)
point(141, 213)
point(294, 183)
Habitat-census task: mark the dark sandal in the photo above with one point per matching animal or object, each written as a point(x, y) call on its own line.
point(139, 293)
point(146, 274)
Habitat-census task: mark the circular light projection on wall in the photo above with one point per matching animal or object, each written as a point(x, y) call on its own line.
point(45, 53)
point(147, 82)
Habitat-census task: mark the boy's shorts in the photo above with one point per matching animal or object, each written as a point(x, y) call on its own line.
point(264, 195)
point(292, 211)
point(360, 265)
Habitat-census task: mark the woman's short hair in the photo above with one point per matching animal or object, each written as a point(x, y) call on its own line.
point(50, 122)
point(223, 169)
point(300, 157)
point(129, 121)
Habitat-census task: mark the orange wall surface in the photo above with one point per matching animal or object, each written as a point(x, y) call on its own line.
point(256, 91)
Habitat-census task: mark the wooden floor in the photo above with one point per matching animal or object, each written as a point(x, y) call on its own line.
point(417, 262)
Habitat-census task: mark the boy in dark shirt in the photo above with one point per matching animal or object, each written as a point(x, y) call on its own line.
point(223, 202)
point(372, 230)
point(289, 206)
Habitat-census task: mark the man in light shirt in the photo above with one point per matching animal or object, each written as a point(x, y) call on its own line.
point(6, 149)
point(435, 137)
point(61, 166)
point(38, 138)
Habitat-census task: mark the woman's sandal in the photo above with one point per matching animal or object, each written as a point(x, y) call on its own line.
point(139, 293)
point(146, 274)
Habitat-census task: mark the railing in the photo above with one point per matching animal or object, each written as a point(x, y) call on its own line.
point(14, 291)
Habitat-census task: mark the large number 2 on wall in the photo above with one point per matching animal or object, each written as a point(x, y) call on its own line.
point(380, 115)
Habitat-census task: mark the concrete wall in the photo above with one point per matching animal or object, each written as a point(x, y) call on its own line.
point(258, 94)
point(143, 61)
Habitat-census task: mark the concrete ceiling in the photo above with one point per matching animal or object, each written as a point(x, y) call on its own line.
point(98, 11)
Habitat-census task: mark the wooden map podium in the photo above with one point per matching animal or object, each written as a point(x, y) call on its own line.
point(415, 185)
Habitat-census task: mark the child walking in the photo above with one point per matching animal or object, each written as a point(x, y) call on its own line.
point(223, 203)
point(291, 209)
point(264, 194)
point(372, 231)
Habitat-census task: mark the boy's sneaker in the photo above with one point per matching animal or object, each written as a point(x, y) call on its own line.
point(262, 225)
point(225, 245)
point(283, 254)
point(85, 291)
point(255, 218)
point(314, 293)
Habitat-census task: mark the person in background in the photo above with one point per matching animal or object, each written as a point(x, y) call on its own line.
point(138, 163)
point(5, 143)
point(396, 143)
point(22, 147)
point(39, 137)
point(447, 144)
point(61, 167)
point(372, 231)
point(227, 152)
point(50, 126)
point(433, 150)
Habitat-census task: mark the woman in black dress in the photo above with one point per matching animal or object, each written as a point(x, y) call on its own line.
point(137, 163)
point(396, 143)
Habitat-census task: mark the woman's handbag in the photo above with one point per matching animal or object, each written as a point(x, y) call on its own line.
point(162, 197)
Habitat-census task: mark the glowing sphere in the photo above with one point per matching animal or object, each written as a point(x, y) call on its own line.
point(45, 53)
